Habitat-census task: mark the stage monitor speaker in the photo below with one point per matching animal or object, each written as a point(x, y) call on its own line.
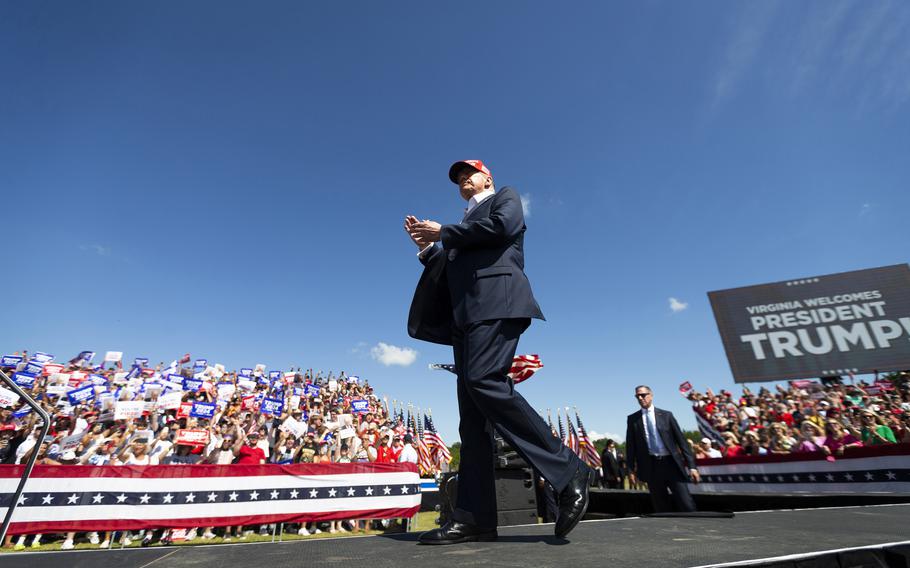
point(516, 500)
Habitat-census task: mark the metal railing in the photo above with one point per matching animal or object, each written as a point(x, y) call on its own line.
point(45, 417)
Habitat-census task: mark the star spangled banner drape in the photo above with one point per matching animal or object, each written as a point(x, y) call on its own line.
point(90, 498)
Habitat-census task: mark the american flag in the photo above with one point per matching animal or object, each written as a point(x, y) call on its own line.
point(572, 437)
point(434, 440)
point(424, 455)
point(523, 366)
point(562, 433)
point(588, 450)
point(59, 498)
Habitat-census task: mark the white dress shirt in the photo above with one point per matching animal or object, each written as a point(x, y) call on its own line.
point(657, 444)
point(475, 200)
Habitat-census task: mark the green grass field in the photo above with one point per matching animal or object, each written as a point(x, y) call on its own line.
point(422, 522)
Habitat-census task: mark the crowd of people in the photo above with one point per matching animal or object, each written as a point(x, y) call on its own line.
point(829, 416)
point(182, 413)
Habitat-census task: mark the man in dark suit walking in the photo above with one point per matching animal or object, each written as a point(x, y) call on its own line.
point(659, 455)
point(474, 295)
point(613, 464)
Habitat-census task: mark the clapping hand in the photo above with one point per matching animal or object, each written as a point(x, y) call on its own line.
point(423, 233)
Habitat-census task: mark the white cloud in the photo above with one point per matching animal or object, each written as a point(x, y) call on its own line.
point(742, 48)
point(100, 250)
point(599, 436)
point(393, 355)
point(676, 306)
point(359, 348)
point(526, 204)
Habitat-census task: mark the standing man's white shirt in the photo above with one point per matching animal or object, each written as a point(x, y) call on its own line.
point(408, 454)
point(475, 200)
point(657, 443)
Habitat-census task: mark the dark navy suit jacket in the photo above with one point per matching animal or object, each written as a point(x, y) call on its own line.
point(477, 274)
point(670, 434)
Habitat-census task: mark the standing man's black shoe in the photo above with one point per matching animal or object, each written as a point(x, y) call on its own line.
point(573, 500)
point(454, 532)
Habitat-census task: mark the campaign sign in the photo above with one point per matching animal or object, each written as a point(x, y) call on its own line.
point(24, 380)
point(184, 410)
point(249, 402)
point(126, 409)
point(71, 442)
point(272, 406)
point(10, 360)
point(8, 397)
point(170, 400)
point(141, 361)
point(193, 437)
point(113, 356)
point(311, 390)
point(246, 384)
point(246, 372)
point(42, 357)
point(191, 385)
point(360, 406)
point(226, 390)
point(81, 394)
point(97, 380)
point(203, 410)
point(274, 375)
point(200, 363)
point(33, 368)
point(820, 326)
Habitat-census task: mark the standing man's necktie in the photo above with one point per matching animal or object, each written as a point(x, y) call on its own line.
point(652, 434)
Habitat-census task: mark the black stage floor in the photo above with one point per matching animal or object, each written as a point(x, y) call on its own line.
point(664, 542)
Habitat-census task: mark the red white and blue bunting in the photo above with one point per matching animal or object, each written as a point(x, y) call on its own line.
point(876, 469)
point(88, 498)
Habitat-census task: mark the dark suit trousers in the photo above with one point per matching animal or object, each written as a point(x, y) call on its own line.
point(665, 476)
point(487, 400)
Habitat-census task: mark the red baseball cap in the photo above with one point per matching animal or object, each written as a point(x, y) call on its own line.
point(457, 167)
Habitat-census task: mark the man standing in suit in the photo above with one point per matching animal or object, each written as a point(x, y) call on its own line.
point(474, 295)
point(659, 455)
point(612, 463)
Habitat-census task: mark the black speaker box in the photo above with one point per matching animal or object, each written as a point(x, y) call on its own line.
point(516, 501)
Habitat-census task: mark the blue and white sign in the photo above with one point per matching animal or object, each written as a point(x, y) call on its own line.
point(311, 390)
point(134, 372)
point(203, 410)
point(81, 394)
point(246, 372)
point(22, 412)
point(246, 384)
point(141, 361)
point(97, 380)
point(272, 406)
point(40, 357)
point(263, 381)
point(10, 360)
point(192, 385)
point(200, 363)
point(274, 375)
point(360, 406)
point(24, 380)
point(33, 368)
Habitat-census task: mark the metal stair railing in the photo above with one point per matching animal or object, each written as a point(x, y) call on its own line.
point(45, 417)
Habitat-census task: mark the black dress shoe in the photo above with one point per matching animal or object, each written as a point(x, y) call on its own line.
point(454, 532)
point(573, 500)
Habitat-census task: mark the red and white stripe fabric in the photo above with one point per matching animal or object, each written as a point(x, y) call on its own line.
point(88, 498)
point(523, 366)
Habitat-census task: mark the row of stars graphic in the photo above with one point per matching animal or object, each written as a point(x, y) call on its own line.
point(210, 497)
point(805, 478)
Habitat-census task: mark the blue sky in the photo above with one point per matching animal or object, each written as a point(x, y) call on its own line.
point(230, 179)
